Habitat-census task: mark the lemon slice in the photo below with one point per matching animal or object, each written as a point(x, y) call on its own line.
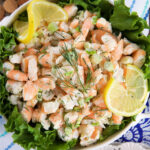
point(130, 99)
point(38, 10)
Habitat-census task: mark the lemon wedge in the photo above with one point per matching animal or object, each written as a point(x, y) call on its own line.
point(127, 100)
point(38, 10)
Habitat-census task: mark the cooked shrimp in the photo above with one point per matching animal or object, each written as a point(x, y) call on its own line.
point(20, 47)
point(45, 83)
point(85, 61)
point(57, 119)
point(32, 102)
point(74, 24)
point(87, 14)
point(46, 71)
point(47, 95)
point(27, 113)
point(39, 116)
point(50, 107)
point(102, 84)
point(62, 35)
point(63, 27)
point(16, 75)
point(71, 117)
point(139, 58)
point(130, 48)
point(29, 91)
point(43, 59)
point(92, 92)
point(106, 38)
point(8, 66)
point(97, 75)
point(117, 53)
point(126, 60)
point(71, 10)
point(75, 35)
point(79, 41)
point(14, 87)
point(14, 99)
point(103, 24)
point(16, 58)
point(99, 101)
point(32, 69)
point(117, 119)
point(87, 26)
point(30, 51)
point(89, 134)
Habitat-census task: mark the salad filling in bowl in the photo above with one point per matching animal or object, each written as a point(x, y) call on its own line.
point(76, 76)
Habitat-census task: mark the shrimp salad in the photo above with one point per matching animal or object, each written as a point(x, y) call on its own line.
point(58, 79)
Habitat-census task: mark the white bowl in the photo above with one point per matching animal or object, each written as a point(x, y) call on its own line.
point(7, 21)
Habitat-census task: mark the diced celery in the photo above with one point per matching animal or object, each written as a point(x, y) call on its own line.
point(69, 73)
point(96, 59)
point(36, 34)
point(108, 66)
point(90, 51)
point(52, 27)
point(68, 131)
point(87, 45)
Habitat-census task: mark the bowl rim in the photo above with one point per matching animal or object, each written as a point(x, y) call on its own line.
point(7, 21)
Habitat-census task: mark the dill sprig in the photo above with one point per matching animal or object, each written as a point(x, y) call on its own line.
point(72, 58)
point(63, 79)
point(89, 73)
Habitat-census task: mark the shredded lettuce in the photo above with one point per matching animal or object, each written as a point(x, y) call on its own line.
point(33, 135)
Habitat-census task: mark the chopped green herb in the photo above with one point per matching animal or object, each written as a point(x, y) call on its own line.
point(90, 51)
point(77, 109)
point(43, 51)
point(78, 122)
point(94, 19)
point(88, 99)
point(69, 73)
point(39, 96)
point(89, 73)
point(41, 56)
point(78, 29)
point(95, 124)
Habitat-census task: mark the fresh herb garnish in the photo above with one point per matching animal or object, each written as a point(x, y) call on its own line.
point(39, 96)
point(72, 58)
point(88, 99)
point(89, 73)
point(69, 73)
point(78, 29)
point(90, 51)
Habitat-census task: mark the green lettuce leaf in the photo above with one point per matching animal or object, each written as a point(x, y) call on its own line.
point(111, 129)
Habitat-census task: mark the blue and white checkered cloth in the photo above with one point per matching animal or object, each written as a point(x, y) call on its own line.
point(140, 133)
